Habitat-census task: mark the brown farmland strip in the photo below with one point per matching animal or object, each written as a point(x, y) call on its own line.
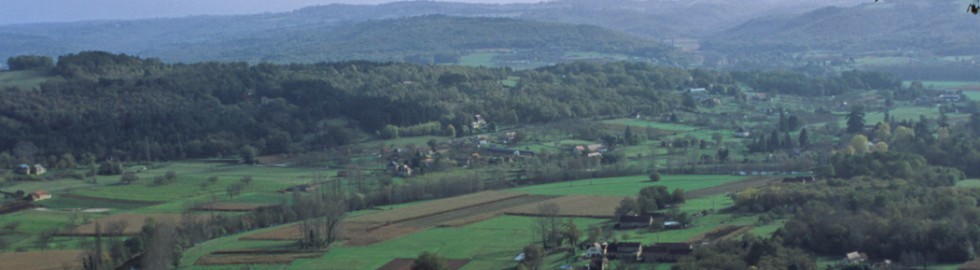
point(575, 206)
point(42, 260)
point(437, 207)
point(231, 207)
point(720, 233)
point(731, 187)
point(406, 264)
point(254, 258)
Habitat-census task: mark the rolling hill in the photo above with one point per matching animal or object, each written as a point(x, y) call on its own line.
point(303, 38)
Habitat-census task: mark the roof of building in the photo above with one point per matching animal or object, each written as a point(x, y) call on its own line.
point(635, 218)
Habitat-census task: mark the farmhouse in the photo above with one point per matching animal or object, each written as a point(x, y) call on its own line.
point(673, 225)
point(624, 251)
point(742, 133)
point(302, 188)
point(478, 122)
point(39, 195)
point(666, 252)
point(696, 90)
point(499, 151)
point(856, 257)
point(949, 97)
point(592, 148)
point(799, 179)
point(35, 169)
point(634, 221)
point(598, 264)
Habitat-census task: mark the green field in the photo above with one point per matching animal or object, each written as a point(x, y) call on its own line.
point(23, 79)
point(50, 185)
point(972, 95)
point(483, 245)
point(190, 176)
point(511, 81)
point(942, 85)
point(700, 225)
point(478, 60)
point(714, 202)
point(650, 124)
point(627, 185)
point(969, 183)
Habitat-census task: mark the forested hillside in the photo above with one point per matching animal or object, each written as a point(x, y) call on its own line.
point(119, 105)
point(428, 39)
point(127, 107)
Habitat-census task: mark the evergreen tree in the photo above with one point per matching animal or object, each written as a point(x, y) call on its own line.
point(974, 123)
point(783, 124)
point(788, 142)
point(855, 120)
point(774, 143)
point(804, 139)
point(629, 137)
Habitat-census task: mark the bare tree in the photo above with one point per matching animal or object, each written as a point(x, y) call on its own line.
point(548, 224)
point(159, 253)
point(116, 228)
point(320, 218)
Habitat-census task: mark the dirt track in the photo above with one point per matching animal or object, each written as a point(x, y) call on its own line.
point(731, 187)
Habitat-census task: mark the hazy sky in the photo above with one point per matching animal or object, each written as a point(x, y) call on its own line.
point(29, 11)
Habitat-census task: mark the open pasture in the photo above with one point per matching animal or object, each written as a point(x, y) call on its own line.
point(660, 126)
point(627, 185)
point(947, 85)
point(969, 183)
point(192, 181)
point(478, 60)
point(24, 79)
point(134, 222)
point(70, 202)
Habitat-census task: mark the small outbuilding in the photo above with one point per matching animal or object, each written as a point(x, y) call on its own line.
point(38, 195)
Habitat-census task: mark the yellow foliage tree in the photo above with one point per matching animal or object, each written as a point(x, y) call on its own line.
point(860, 144)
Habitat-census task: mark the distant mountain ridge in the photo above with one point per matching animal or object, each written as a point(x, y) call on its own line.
point(940, 27)
point(752, 33)
point(426, 39)
point(654, 20)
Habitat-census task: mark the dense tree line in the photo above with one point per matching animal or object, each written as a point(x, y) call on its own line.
point(894, 219)
point(127, 108)
point(130, 108)
point(25, 62)
point(783, 82)
point(749, 252)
